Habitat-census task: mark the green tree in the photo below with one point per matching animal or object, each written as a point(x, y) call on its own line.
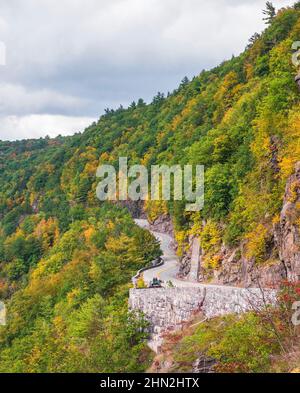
point(269, 12)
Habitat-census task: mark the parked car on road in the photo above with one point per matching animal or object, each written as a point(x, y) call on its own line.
point(155, 283)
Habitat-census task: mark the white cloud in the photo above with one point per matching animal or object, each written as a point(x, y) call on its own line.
point(2, 54)
point(76, 57)
point(51, 35)
point(16, 99)
point(35, 126)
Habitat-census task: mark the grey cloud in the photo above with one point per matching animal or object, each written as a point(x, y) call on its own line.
point(35, 126)
point(76, 57)
point(17, 100)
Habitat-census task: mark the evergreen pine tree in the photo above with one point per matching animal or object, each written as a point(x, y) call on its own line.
point(270, 13)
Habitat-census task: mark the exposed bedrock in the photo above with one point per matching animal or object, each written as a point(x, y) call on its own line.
point(284, 247)
point(287, 237)
point(163, 224)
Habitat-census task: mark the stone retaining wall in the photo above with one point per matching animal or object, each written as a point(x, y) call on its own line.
point(168, 308)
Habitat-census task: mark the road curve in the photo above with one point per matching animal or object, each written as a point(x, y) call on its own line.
point(168, 271)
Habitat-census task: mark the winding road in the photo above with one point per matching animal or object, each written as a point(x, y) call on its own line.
point(168, 271)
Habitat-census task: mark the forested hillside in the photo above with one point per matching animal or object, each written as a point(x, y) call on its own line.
point(65, 269)
point(66, 259)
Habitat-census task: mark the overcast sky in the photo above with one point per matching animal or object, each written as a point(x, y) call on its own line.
point(67, 60)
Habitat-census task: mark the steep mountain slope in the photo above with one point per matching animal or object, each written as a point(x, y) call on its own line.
point(64, 255)
point(240, 120)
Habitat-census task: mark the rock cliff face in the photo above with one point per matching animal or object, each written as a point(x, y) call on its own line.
point(236, 269)
point(136, 208)
point(287, 234)
point(204, 364)
point(185, 262)
point(163, 224)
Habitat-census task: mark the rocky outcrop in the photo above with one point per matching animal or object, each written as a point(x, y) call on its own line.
point(136, 208)
point(204, 364)
point(163, 224)
point(283, 261)
point(237, 270)
point(185, 261)
point(185, 264)
point(287, 231)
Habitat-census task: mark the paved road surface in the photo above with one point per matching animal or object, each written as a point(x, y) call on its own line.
point(168, 271)
point(170, 267)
